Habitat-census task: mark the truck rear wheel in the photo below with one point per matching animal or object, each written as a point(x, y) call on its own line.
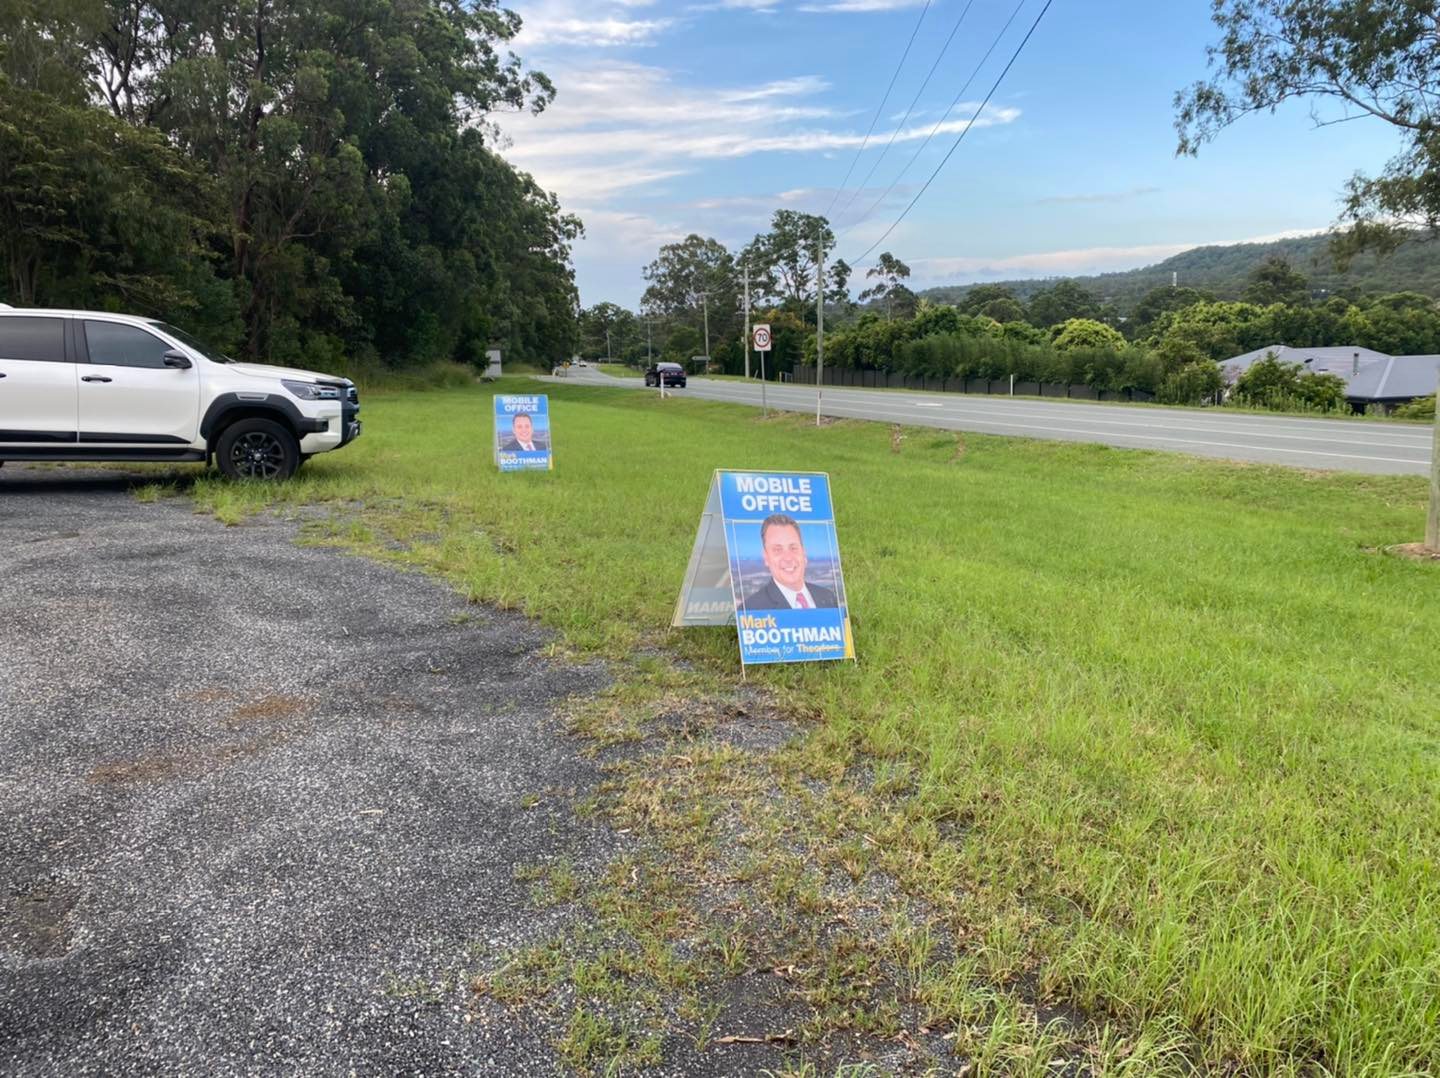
point(257, 449)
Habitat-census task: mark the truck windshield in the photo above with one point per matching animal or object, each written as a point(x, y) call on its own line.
point(193, 344)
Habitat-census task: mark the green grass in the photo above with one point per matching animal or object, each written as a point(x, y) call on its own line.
point(619, 370)
point(1171, 723)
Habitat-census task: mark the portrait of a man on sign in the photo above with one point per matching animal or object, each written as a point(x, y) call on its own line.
point(524, 437)
point(782, 546)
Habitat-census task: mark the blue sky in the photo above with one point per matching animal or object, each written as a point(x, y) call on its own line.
point(706, 117)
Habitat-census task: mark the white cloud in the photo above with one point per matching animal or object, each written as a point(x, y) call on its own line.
point(759, 7)
point(628, 119)
point(805, 84)
point(848, 6)
point(581, 183)
point(595, 24)
point(605, 33)
point(635, 235)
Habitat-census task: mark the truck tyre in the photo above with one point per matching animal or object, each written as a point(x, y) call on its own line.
point(257, 449)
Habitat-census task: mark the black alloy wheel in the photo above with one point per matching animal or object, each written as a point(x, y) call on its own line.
point(257, 449)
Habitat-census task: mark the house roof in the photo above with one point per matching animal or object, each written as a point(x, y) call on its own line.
point(1398, 378)
point(1379, 377)
point(1338, 360)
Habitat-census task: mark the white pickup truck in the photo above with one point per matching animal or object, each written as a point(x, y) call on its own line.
point(92, 386)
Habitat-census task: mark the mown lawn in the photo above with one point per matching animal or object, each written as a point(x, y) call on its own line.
point(1180, 718)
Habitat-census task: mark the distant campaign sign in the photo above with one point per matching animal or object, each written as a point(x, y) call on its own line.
point(767, 555)
point(522, 433)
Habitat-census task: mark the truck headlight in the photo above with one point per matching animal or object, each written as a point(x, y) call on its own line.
point(311, 391)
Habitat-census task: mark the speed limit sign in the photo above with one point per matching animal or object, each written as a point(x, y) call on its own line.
point(762, 338)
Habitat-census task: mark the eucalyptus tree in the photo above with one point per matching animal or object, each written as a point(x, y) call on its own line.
point(1354, 59)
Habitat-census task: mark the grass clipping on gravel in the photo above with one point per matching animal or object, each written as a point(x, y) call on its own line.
point(1177, 717)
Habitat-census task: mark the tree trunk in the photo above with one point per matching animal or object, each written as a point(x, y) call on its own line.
point(244, 263)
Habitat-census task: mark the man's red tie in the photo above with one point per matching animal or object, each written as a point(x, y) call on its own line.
point(801, 600)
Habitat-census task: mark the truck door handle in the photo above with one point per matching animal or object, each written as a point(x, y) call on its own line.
point(96, 378)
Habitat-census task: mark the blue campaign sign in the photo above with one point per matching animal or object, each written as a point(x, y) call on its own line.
point(784, 562)
point(522, 433)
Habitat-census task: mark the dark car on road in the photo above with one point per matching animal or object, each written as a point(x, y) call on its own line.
point(673, 373)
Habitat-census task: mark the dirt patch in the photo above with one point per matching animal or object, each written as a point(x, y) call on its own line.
point(163, 766)
point(272, 709)
point(36, 923)
point(1415, 552)
point(772, 913)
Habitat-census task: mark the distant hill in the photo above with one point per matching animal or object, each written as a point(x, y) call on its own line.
point(1225, 271)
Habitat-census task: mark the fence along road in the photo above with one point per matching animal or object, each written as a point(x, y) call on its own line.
point(1355, 445)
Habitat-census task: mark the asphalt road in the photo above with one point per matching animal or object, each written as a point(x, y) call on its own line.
point(1346, 445)
point(260, 804)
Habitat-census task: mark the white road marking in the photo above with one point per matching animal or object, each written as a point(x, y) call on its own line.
point(1034, 431)
point(1391, 439)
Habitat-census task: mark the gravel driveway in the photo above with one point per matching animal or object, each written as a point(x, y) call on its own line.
point(256, 797)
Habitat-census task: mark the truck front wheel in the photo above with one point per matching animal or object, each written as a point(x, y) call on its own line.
point(257, 449)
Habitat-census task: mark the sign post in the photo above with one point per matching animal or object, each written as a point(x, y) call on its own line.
point(766, 555)
point(762, 345)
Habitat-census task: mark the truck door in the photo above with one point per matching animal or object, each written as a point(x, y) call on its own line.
point(38, 389)
point(128, 396)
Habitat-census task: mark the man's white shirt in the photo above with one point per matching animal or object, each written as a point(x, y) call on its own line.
point(791, 596)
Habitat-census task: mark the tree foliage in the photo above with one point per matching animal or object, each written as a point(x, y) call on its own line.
point(1080, 333)
point(340, 149)
point(1269, 383)
point(1276, 281)
point(692, 281)
point(1060, 303)
point(609, 330)
point(1375, 58)
point(783, 262)
point(94, 213)
point(889, 275)
point(1159, 301)
point(1178, 359)
point(980, 296)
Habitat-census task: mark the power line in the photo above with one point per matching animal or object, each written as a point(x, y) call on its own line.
point(913, 102)
point(940, 122)
point(876, 119)
point(961, 138)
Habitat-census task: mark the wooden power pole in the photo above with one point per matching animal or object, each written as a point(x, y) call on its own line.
point(819, 320)
point(1432, 524)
